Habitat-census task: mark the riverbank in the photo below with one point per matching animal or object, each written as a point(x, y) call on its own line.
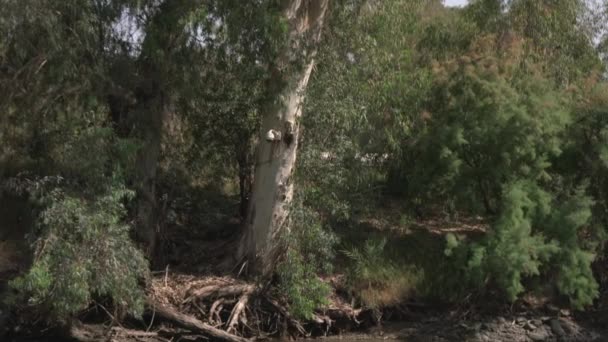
point(194, 300)
point(433, 328)
point(189, 308)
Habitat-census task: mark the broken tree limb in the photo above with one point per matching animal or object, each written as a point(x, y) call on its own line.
point(193, 324)
point(212, 312)
point(344, 314)
point(131, 332)
point(218, 291)
point(283, 311)
point(238, 309)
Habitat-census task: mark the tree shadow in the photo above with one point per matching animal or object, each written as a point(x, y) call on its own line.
point(199, 226)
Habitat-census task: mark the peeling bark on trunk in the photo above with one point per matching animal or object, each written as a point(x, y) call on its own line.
point(277, 148)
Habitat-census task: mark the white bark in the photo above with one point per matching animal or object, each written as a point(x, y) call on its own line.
point(277, 148)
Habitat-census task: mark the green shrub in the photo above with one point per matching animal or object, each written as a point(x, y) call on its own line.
point(373, 278)
point(573, 260)
point(533, 236)
point(310, 252)
point(82, 251)
point(489, 125)
point(300, 284)
point(82, 246)
point(512, 249)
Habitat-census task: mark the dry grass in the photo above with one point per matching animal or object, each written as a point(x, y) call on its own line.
point(436, 225)
point(391, 219)
point(464, 225)
point(391, 292)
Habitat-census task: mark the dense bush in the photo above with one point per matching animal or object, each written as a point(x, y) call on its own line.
point(83, 251)
point(476, 113)
point(497, 113)
point(376, 280)
point(309, 252)
point(82, 243)
point(488, 123)
point(533, 235)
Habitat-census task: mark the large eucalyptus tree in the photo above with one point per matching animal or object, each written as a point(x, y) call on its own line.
point(273, 185)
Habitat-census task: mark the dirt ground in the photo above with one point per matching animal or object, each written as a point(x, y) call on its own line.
point(431, 329)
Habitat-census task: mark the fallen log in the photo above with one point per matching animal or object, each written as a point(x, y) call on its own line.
point(193, 324)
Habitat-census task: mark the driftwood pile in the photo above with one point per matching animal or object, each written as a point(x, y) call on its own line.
point(227, 309)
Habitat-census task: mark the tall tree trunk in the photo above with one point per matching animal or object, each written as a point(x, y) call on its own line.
point(277, 147)
point(244, 157)
point(153, 108)
point(152, 116)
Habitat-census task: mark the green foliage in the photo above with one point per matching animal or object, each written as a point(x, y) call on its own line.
point(83, 251)
point(499, 110)
point(469, 111)
point(300, 284)
point(560, 33)
point(58, 128)
point(309, 252)
point(585, 154)
point(374, 279)
point(448, 35)
point(360, 105)
point(82, 246)
point(367, 261)
point(488, 125)
point(531, 236)
point(512, 250)
point(574, 275)
point(315, 242)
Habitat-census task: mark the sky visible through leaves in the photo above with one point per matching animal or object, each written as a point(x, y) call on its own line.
point(456, 2)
